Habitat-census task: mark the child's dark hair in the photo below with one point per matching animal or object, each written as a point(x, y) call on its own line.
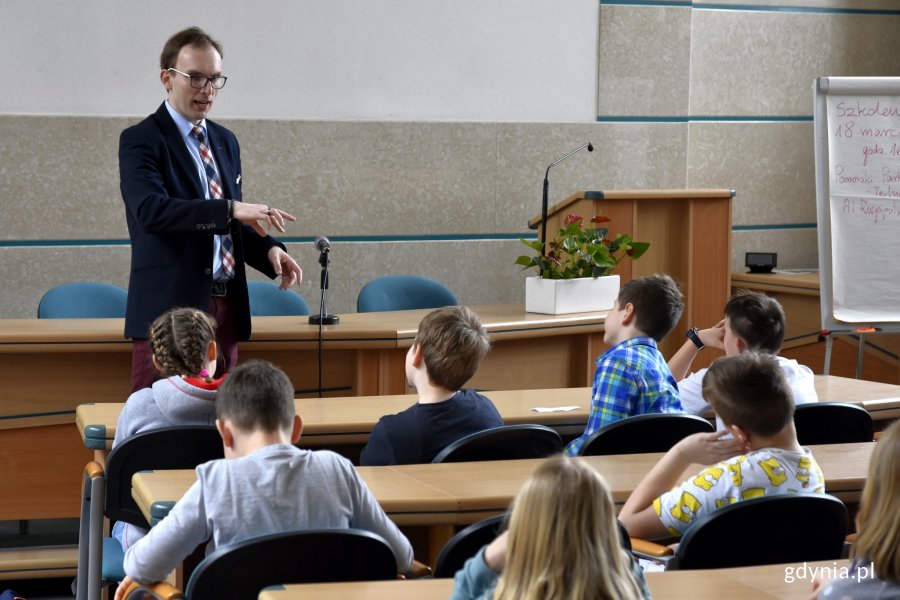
point(453, 343)
point(179, 340)
point(757, 319)
point(257, 395)
point(657, 304)
point(750, 390)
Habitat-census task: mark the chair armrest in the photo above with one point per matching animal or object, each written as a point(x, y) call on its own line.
point(156, 591)
point(93, 469)
point(650, 549)
point(417, 571)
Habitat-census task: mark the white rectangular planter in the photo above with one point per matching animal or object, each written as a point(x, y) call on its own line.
point(563, 296)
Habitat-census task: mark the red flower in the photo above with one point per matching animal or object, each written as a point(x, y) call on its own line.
point(572, 219)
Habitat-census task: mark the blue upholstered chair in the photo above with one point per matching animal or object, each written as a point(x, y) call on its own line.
point(83, 300)
point(403, 292)
point(267, 300)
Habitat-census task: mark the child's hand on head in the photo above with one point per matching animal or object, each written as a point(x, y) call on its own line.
point(714, 337)
point(710, 448)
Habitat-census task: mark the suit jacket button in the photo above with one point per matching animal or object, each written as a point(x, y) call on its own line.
point(207, 271)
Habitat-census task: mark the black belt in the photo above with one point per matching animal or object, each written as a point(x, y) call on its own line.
point(219, 289)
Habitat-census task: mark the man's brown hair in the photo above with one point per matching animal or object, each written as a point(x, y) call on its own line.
point(192, 36)
point(750, 390)
point(657, 304)
point(453, 344)
point(257, 395)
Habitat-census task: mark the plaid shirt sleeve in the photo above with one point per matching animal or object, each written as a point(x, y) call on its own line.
point(613, 396)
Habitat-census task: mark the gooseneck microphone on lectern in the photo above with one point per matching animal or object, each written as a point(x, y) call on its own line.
point(590, 148)
point(323, 318)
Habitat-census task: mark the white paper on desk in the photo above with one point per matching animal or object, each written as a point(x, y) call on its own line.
point(546, 409)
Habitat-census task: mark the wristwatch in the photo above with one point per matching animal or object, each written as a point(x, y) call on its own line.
point(691, 334)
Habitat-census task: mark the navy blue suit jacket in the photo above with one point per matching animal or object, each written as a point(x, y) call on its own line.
point(172, 225)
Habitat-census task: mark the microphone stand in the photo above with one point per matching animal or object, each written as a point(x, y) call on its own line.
point(323, 318)
point(546, 194)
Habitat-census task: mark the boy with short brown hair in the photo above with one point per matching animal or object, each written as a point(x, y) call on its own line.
point(449, 347)
point(632, 377)
point(751, 395)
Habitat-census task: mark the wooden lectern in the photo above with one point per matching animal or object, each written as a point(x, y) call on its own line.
point(690, 239)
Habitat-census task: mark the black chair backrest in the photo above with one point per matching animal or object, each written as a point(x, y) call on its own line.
point(832, 423)
point(239, 571)
point(503, 443)
point(168, 448)
point(624, 537)
point(466, 544)
point(643, 433)
point(785, 528)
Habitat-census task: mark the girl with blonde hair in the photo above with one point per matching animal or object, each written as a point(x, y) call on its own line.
point(563, 543)
point(183, 343)
point(875, 570)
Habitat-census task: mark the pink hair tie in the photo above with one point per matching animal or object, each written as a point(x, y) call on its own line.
point(204, 373)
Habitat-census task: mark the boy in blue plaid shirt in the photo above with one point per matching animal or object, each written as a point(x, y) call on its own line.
point(632, 377)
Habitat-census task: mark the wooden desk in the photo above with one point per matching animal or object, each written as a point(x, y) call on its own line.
point(90, 361)
point(50, 366)
point(441, 496)
point(744, 583)
point(799, 295)
point(349, 420)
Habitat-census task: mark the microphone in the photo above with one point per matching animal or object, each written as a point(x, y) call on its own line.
point(322, 244)
point(590, 148)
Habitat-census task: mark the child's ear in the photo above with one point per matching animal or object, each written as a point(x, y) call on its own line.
point(628, 314)
point(742, 346)
point(224, 428)
point(296, 429)
point(739, 434)
point(212, 351)
point(418, 355)
point(156, 364)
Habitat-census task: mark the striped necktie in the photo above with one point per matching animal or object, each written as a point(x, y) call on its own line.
point(215, 193)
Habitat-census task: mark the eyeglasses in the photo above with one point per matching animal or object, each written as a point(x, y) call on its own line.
point(200, 81)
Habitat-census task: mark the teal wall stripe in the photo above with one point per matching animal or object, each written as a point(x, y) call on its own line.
point(450, 237)
point(774, 226)
point(798, 9)
point(755, 7)
point(705, 119)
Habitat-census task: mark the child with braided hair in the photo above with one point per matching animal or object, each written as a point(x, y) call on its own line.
point(183, 342)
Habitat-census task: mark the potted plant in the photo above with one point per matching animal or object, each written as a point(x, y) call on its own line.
point(574, 272)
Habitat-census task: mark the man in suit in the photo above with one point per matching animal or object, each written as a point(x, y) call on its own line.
point(191, 234)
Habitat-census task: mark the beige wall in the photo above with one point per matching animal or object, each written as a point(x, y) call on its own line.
point(686, 97)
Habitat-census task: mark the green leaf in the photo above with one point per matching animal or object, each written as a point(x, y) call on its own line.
point(638, 249)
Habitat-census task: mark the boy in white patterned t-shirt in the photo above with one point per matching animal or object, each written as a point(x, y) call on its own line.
point(751, 395)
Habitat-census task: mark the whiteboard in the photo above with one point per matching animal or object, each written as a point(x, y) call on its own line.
point(857, 154)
